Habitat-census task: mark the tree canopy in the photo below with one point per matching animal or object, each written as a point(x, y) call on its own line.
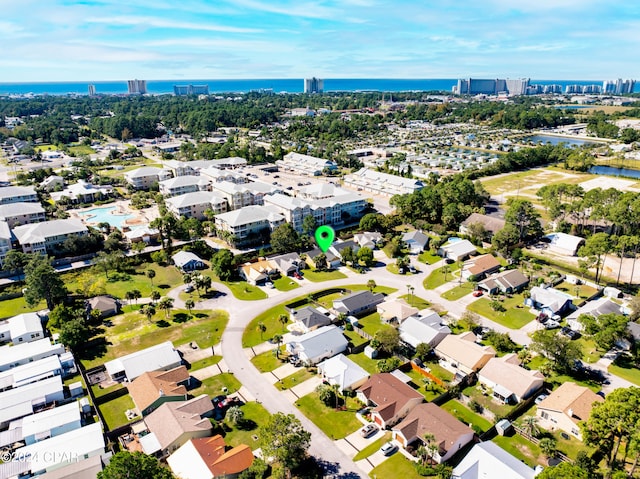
point(43, 283)
point(283, 438)
point(136, 465)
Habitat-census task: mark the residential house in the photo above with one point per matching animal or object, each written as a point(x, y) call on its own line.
point(372, 181)
point(416, 241)
point(358, 304)
point(457, 250)
point(594, 308)
point(16, 214)
point(549, 301)
point(51, 183)
point(24, 400)
point(146, 177)
point(305, 164)
point(395, 311)
point(30, 372)
point(369, 240)
point(564, 244)
point(491, 224)
point(105, 305)
point(565, 407)
point(50, 423)
point(248, 223)
point(17, 355)
point(207, 458)
point(18, 194)
point(449, 434)
point(460, 353)
point(510, 281)
point(333, 259)
point(152, 389)
point(342, 372)
point(143, 234)
point(196, 204)
point(612, 292)
point(82, 469)
point(487, 459)
point(184, 184)
point(82, 192)
point(23, 328)
point(187, 261)
point(309, 318)
point(318, 345)
point(390, 398)
point(160, 357)
point(287, 264)
point(174, 423)
point(257, 272)
point(337, 248)
point(480, 266)
point(427, 328)
point(52, 453)
point(5, 240)
point(46, 236)
point(508, 381)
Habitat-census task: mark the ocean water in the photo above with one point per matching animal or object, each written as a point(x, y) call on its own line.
point(291, 85)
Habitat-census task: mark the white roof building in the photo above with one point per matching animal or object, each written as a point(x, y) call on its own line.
point(162, 356)
point(320, 344)
point(488, 460)
point(12, 356)
point(381, 183)
point(187, 261)
point(50, 423)
point(305, 164)
point(21, 213)
point(194, 205)
point(17, 194)
point(250, 219)
point(428, 329)
point(40, 237)
point(19, 402)
point(457, 250)
point(83, 192)
point(564, 243)
point(23, 328)
point(341, 371)
point(593, 308)
point(183, 184)
point(30, 372)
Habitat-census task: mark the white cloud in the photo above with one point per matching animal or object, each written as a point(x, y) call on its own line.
point(133, 20)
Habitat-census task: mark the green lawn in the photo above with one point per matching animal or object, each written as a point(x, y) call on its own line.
point(459, 291)
point(214, 385)
point(255, 415)
point(131, 332)
point(429, 258)
point(113, 411)
point(464, 414)
point(425, 386)
point(267, 361)
point(438, 278)
point(368, 364)
point(486, 402)
point(515, 316)
point(79, 150)
point(591, 354)
point(354, 338)
point(416, 301)
point(335, 424)
point(581, 291)
point(373, 447)
point(203, 363)
point(12, 307)
point(623, 367)
point(95, 280)
point(319, 276)
point(252, 336)
point(519, 447)
point(396, 466)
point(284, 283)
point(45, 147)
point(377, 289)
point(294, 379)
point(245, 291)
point(372, 323)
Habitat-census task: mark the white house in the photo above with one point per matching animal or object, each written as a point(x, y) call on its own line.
point(31, 372)
point(549, 301)
point(162, 356)
point(428, 329)
point(21, 401)
point(342, 372)
point(488, 460)
point(43, 237)
point(320, 344)
point(416, 241)
point(23, 328)
point(368, 239)
point(187, 261)
point(509, 382)
point(13, 356)
point(457, 250)
point(593, 308)
point(51, 422)
point(565, 244)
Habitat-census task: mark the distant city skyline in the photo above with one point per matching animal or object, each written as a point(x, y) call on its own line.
point(106, 40)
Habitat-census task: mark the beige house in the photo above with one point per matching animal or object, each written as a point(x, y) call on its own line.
point(460, 353)
point(395, 310)
point(507, 381)
point(566, 407)
point(450, 435)
point(391, 398)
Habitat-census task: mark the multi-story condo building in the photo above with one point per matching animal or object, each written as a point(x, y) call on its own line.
point(618, 87)
point(246, 194)
point(5, 240)
point(381, 183)
point(476, 86)
point(249, 221)
point(18, 194)
point(43, 237)
point(194, 205)
point(137, 87)
point(182, 90)
point(184, 184)
point(305, 164)
point(313, 85)
point(16, 214)
point(145, 177)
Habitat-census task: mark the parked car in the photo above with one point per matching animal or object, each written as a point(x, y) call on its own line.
point(478, 293)
point(368, 430)
point(189, 289)
point(551, 324)
point(412, 270)
point(388, 448)
point(540, 398)
point(570, 333)
point(297, 275)
point(218, 399)
point(269, 284)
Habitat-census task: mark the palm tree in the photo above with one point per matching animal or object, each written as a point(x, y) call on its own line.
point(136, 294)
point(128, 296)
point(371, 285)
point(429, 441)
point(149, 311)
point(284, 319)
point(277, 338)
point(234, 415)
point(151, 274)
point(155, 295)
point(189, 304)
point(410, 290)
point(530, 425)
point(166, 304)
point(445, 270)
point(187, 278)
point(262, 328)
point(548, 446)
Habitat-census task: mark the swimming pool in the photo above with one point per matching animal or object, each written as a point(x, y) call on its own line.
point(105, 215)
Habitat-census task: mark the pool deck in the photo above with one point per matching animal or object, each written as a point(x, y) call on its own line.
point(119, 209)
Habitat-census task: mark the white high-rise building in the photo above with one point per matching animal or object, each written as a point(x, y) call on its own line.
point(137, 87)
point(313, 85)
point(618, 87)
point(92, 90)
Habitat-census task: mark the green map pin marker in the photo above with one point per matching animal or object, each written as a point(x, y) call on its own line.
point(324, 237)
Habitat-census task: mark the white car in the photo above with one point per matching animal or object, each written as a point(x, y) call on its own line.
point(388, 448)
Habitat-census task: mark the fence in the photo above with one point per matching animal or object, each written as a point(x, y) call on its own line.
point(536, 441)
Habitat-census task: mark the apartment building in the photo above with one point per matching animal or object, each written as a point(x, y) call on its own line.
point(17, 194)
point(145, 177)
point(194, 205)
point(249, 220)
point(43, 237)
point(22, 213)
point(305, 164)
point(184, 184)
point(379, 183)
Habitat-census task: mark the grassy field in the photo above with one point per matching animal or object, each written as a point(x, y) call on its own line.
point(464, 414)
point(245, 291)
point(429, 258)
point(368, 364)
point(459, 291)
point(214, 385)
point(438, 277)
point(373, 447)
point(528, 182)
point(623, 367)
point(486, 402)
point(203, 363)
point(316, 276)
point(13, 307)
point(284, 283)
point(294, 379)
point(267, 361)
point(519, 447)
point(335, 424)
point(515, 316)
point(396, 466)
point(372, 324)
point(416, 301)
point(113, 411)
point(581, 291)
point(354, 338)
point(132, 331)
point(255, 415)
point(79, 150)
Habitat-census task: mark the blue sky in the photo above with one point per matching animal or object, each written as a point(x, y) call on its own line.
point(91, 40)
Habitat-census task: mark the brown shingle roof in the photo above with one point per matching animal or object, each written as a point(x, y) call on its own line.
point(482, 264)
point(573, 400)
point(146, 388)
point(463, 349)
point(507, 373)
point(221, 462)
point(490, 223)
point(430, 419)
point(388, 393)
